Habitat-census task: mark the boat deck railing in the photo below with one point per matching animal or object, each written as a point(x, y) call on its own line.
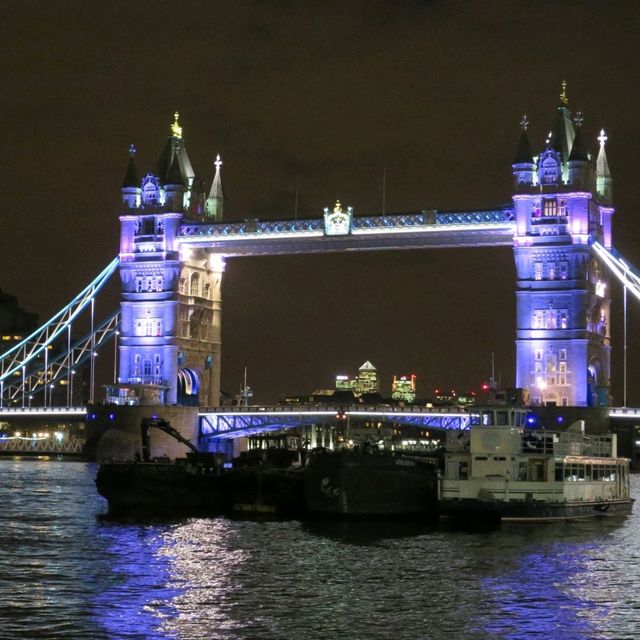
point(567, 443)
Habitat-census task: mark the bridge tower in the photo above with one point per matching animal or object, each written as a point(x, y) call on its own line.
point(170, 329)
point(562, 199)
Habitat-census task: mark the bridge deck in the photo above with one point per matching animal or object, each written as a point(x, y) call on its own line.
point(421, 230)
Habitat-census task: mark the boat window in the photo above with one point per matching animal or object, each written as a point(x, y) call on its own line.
point(481, 457)
point(588, 472)
point(463, 471)
point(536, 471)
point(559, 472)
point(502, 418)
point(522, 471)
point(474, 420)
point(487, 418)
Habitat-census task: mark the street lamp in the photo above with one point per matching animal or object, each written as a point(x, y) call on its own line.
point(30, 399)
point(624, 349)
point(51, 395)
point(115, 355)
point(73, 373)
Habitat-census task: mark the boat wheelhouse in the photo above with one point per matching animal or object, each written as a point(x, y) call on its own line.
point(501, 470)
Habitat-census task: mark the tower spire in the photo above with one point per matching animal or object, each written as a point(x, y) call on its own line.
point(564, 98)
point(215, 201)
point(131, 183)
point(176, 129)
point(603, 176)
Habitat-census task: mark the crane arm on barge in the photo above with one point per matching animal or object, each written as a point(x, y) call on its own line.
point(163, 425)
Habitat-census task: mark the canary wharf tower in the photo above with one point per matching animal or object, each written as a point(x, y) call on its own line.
point(562, 200)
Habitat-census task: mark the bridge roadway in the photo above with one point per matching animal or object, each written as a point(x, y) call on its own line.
point(224, 423)
point(416, 230)
point(237, 422)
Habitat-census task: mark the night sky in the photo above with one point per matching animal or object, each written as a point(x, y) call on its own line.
point(330, 92)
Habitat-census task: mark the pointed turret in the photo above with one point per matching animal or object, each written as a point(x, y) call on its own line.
point(175, 148)
point(563, 133)
point(523, 164)
point(579, 161)
point(603, 177)
point(215, 201)
point(131, 183)
point(197, 198)
point(174, 187)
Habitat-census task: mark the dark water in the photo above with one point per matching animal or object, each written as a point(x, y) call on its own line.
point(66, 572)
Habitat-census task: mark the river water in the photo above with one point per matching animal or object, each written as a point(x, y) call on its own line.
point(66, 571)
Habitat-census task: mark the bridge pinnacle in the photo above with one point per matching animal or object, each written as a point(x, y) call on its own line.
point(564, 99)
point(176, 129)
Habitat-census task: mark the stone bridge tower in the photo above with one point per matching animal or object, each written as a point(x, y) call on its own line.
point(562, 200)
point(170, 327)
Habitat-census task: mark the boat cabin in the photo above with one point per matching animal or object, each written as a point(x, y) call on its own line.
point(499, 456)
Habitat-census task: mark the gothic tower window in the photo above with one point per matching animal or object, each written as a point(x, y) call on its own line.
point(537, 270)
point(551, 270)
point(148, 226)
point(194, 289)
point(550, 208)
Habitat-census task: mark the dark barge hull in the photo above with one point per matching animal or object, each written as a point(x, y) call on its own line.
point(157, 488)
point(161, 489)
point(520, 511)
point(381, 484)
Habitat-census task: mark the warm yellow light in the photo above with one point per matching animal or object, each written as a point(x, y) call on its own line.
point(176, 129)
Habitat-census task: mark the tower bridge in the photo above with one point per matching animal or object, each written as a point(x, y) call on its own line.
point(174, 243)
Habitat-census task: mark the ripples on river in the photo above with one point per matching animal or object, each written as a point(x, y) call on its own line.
point(67, 572)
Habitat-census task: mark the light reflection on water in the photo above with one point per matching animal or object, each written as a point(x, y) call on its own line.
point(65, 573)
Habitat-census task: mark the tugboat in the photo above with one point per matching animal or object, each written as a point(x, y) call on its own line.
point(188, 486)
point(366, 482)
point(498, 470)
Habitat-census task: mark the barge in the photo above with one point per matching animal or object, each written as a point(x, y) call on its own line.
point(370, 483)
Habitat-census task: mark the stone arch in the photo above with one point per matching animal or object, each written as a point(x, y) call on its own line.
point(189, 383)
point(594, 374)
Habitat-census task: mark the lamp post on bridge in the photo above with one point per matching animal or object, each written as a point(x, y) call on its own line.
point(115, 355)
point(73, 373)
point(624, 346)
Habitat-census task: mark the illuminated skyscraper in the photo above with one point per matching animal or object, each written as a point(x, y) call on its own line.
point(345, 383)
point(404, 388)
point(562, 199)
point(367, 381)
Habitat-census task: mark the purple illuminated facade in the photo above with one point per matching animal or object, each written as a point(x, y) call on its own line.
point(173, 246)
point(562, 199)
point(170, 331)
